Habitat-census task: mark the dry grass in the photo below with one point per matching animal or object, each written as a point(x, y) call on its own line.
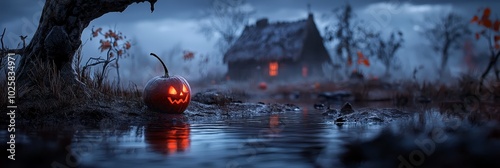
point(51, 96)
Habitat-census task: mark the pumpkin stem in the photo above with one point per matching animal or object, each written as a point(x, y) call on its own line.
point(164, 67)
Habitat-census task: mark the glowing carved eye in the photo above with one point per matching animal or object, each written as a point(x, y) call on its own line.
point(172, 91)
point(184, 89)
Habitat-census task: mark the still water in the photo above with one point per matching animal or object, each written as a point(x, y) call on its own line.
point(302, 138)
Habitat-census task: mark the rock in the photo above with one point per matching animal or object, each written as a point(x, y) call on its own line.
point(331, 112)
point(346, 109)
point(319, 106)
point(335, 96)
point(212, 97)
point(340, 119)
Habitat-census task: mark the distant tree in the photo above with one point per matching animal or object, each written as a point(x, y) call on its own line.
point(386, 51)
point(226, 20)
point(490, 32)
point(446, 33)
point(348, 37)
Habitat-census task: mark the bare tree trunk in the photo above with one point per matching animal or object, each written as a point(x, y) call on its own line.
point(117, 70)
point(59, 32)
point(444, 58)
point(497, 71)
point(491, 64)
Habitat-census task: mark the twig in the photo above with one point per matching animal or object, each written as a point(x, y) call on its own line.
point(1, 39)
point(4, 52)
point(23, 39)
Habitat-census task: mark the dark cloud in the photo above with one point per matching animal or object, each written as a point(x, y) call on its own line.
point(183, 9)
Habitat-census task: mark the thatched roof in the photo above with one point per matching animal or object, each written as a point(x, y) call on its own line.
point(263, 42)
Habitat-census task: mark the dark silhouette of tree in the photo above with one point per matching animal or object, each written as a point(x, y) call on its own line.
point(348, 36)
point(115, 45)
point(58, 37)
point(342, 32)
point(446, 33)
point(226, 20)
point(386, 51)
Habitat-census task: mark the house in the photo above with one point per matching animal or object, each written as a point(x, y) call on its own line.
point(277, 51)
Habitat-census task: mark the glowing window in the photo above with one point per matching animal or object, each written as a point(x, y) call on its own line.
point(273, 68)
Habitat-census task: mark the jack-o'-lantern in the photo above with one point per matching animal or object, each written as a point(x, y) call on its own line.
point(167, 94)
point(168, 139)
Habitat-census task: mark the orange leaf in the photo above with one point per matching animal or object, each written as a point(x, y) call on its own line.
point(487, 23)
point(474, 19)
point(497, 37)
point(127, 45)
point(367, 63)
point(487, 12)
point(188, 55)
point(360, 55)
point(115, 44)
point(497, 46)
point(362, 59)
point(477, 36)
point(120, 52)
point(496, 26)
point(105, 45)
point(96, 32)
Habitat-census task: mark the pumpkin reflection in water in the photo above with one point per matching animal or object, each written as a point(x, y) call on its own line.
point(168, 139)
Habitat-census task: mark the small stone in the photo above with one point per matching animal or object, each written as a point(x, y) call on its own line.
point(340, 119)
point(346, 109)
point(319, 106)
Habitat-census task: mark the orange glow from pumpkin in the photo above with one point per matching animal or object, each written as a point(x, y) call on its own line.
point(169, 140)
point(273, 68)
point(171, 146)
point(184, 89)
point(172, 91)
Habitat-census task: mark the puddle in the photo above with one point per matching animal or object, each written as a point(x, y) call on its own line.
point(293, 139)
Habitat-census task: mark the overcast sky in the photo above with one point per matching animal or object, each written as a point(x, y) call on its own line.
point(175, 22)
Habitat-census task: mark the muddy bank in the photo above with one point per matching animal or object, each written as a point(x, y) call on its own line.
point(205, 106)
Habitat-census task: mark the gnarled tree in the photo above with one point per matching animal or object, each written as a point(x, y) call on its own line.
point(445, 34)
point(58, 36)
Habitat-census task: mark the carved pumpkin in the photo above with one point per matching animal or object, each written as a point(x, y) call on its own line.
point(168, 139)
point(167, 94)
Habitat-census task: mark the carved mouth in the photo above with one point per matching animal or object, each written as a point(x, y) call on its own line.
point(178, 101)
